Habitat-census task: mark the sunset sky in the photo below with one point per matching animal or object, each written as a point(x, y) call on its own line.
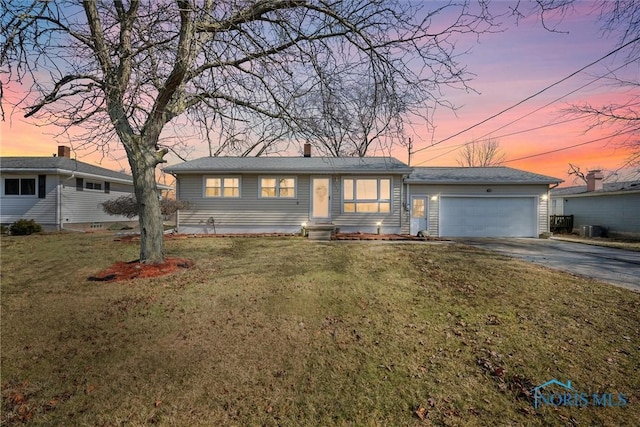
point(509, 67)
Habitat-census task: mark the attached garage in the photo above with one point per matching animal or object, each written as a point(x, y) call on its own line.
point(478, 202)
point(466, 216)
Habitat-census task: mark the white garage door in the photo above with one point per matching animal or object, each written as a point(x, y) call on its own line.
point(488, 217)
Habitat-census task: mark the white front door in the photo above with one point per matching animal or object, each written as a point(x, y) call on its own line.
point(320, 199)
point(418, 214)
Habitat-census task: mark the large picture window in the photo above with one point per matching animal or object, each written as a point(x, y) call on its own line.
point(366, 195)
point(20, 186)
point(222, 187)
point(277, 187)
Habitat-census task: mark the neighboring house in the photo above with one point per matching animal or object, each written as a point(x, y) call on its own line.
point(613, 206)
point(280, 194)
point(59, 192)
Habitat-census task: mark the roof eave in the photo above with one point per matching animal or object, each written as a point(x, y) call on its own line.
point(285, 171)
point(475, 182)
point(596, 193)
point(57, 171)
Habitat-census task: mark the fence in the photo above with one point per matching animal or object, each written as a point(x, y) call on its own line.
point(561, 223)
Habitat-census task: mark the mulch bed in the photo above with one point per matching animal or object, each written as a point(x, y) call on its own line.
point(175, 236)
point(137, 270)
point(338, 236)
point(369, 236)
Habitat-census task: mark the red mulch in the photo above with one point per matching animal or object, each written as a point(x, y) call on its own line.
point(137, 270)
point(338, 236)
point(371, 236)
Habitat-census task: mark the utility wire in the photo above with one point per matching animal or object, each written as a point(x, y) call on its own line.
point(570, 146)
point(457, 147)
point(532, 96)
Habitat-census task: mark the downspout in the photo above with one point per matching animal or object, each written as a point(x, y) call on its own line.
point(58, 203)
point(177, 198)
point(403, 202)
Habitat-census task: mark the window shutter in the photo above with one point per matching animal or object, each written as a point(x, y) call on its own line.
point(79, 184)
point(42, 186)
point(107, 187)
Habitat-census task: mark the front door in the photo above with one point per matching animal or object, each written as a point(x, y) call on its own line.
point(321, 199)
point(418, 214)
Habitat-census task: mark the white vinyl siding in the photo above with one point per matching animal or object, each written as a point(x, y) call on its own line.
point(41, 210)
point(84, 206)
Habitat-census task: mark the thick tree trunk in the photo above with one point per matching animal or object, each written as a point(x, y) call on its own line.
point(150, 217)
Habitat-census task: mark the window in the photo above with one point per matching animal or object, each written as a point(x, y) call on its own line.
point(278, 187)
point(366, 195)
point(42, 186)
point(222, 187)
point(20, 186)
point(93, 185)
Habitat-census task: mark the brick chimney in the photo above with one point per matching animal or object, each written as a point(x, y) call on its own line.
point(594, 180)
point(307, 149)
point(64, 151)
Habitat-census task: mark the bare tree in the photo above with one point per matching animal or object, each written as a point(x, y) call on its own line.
point(577, 173)
point(349, 118)
point(136, 73)
point(621, 19)
point(481, 153)
point(581, 177)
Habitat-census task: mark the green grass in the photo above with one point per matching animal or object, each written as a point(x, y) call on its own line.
point(289, 332)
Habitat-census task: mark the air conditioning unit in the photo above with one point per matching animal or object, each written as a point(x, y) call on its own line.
point(591, 231)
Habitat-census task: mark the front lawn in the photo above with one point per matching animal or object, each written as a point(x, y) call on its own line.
point(282, 331)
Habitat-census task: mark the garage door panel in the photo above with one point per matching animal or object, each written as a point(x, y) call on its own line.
point(488, 217)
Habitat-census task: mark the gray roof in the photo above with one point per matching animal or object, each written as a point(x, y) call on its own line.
point(64, 166)
point(477, 175)
point(291, 165)
point(607, 187)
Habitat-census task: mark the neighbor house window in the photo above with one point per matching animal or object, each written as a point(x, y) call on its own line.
point(93, 185)
point(366, 195)
point(222, 187)
point(277, 187)
point(20, 186)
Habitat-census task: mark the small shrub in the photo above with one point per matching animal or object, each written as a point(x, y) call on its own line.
point(3, 229)
point(24, 227)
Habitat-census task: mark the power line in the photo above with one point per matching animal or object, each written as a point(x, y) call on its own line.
point(456, 147)
point(532, 96)
point(570, 146)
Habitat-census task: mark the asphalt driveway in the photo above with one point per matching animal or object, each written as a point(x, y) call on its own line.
point(616, 266)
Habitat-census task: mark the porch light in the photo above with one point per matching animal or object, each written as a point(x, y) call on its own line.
point(545, 197)
point(434, 198)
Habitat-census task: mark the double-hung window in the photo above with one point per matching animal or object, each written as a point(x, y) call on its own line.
point(20, 186)
point(277, 187)
point(366, 195)
point(222, 187)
